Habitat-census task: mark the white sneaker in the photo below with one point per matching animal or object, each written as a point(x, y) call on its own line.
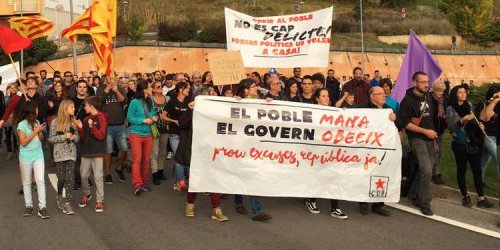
point(311, 206)
point(337, 213)
point(68, 209)
point(170, 156)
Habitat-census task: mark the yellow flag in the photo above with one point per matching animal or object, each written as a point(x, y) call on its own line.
point(32, 27)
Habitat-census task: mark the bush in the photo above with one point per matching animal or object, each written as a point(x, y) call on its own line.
point(134, 28)
point(213, 32)
point(38, 52)
point(342, 24)
point(177, 32)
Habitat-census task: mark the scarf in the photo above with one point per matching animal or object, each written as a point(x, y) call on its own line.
point(441, 112)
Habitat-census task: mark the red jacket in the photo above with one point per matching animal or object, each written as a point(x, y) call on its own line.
point(14, 100)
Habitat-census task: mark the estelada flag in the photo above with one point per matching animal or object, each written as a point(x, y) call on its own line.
point(32, 27)
point(11, 41)
point(98, 21)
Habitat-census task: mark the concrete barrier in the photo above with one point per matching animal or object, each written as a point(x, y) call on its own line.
point(480, 68)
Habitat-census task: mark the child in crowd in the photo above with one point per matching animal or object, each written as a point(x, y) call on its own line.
point(31, 158)
point(92, 132)
point(347, 101)
point(64, 138)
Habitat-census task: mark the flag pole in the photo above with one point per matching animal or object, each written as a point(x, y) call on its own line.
point(22, 51)
point(75, 67)
point(362, 38)
point(21, 86)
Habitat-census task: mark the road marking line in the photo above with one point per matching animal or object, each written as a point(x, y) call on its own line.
point(53, 181)
point(447, 220)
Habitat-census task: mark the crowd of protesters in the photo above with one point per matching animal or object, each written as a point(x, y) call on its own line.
point(84, 121)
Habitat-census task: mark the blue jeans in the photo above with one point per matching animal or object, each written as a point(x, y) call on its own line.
point(489, 151)
point(116, 134)
point(38, 167)
point(180, 172)
point(255, 202)
point(174, 142)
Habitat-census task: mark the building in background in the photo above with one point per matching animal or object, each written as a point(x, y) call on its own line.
point(58, 11)
point(10, 8)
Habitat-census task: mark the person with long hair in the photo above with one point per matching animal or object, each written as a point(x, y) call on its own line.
point(183, 156)
point(63, 135)
point(10, 136)
point(248, 90)
point(291, 92)
point(159, 153)
point(466, 144)
point(322, 98)
point(31, 158)
point(54, 99)
point(491, 123)
point(141, 115)
point(206, 79)
point(92, 132)
point(171, 113)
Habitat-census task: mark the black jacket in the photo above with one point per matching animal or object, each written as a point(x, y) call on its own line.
point(183, 153)
point(333, 87)
point(41, 103)
point(2, 103)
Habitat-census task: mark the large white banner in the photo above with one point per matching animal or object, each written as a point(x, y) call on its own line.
point(290, 149)
point(301, 40)
point(8, 74)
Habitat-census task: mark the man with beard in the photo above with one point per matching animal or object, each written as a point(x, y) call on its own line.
point(417, 117)
point(358, 86)
point(197, 83)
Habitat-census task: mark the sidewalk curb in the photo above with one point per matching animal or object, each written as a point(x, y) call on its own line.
point(453, 196)
point(456, 192)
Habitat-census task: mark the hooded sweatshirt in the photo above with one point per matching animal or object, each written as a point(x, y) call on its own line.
point(93, 140)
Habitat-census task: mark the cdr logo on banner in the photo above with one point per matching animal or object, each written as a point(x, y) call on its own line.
point(378, 186)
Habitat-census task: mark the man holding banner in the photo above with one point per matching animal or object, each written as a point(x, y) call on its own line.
point(377, 101)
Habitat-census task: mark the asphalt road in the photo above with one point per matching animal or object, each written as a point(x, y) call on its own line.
point(155, 221)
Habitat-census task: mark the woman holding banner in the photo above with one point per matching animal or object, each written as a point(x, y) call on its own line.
point(467, 143)
point(183, 157)
point(322, 98)
point(248, 89)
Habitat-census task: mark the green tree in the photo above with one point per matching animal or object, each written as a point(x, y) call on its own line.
point(41, 49)
point(472, 18)
point(397, 3)
point(134, 28)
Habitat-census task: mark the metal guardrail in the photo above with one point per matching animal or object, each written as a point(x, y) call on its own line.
point(89, 49)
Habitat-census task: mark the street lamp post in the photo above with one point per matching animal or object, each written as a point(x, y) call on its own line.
point(362, 38)
point(75, 67)
point(22, 51)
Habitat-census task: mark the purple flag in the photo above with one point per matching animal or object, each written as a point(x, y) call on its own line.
point(417, 58)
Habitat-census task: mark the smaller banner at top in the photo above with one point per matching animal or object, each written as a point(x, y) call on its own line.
point(301, 40)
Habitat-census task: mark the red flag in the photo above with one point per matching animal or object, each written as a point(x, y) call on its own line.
point(11, 41)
